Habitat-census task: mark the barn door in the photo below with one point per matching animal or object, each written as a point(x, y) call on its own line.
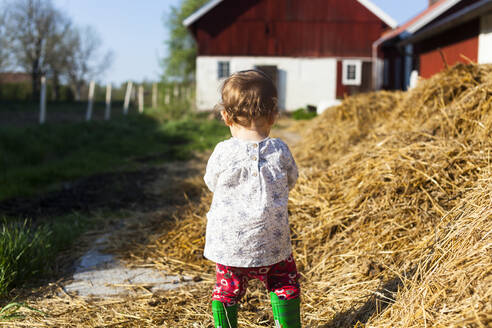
point(271, 71)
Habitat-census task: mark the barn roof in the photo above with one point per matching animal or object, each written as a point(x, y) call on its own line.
point(464, 15)
point(421, 20)
point(366, 3)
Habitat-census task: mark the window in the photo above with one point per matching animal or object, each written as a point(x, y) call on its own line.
point(351, 72)
point(223, 69)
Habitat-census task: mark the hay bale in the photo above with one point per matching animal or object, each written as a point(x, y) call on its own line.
point(371, 202)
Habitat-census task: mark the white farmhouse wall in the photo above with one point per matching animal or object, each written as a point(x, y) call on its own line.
point(302, 81)
point(485, 40)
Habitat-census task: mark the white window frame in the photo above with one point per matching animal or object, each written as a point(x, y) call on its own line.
point(223, 62)
point(358, 71)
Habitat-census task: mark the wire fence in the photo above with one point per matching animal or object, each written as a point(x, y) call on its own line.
point(100, 103)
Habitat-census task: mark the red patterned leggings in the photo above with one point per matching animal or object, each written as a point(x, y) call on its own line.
point(280, 278)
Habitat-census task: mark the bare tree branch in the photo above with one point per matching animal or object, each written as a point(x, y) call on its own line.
point(5, 57)
point(43, 41)
point(86, 62)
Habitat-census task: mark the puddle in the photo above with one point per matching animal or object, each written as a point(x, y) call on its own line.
point(100, 274)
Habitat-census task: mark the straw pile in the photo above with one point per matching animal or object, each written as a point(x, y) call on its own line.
point(391, 221)
point(394, 217)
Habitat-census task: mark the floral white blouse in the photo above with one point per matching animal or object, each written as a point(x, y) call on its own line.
point(247, 224)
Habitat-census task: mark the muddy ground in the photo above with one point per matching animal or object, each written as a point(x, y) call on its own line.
point(111, 191)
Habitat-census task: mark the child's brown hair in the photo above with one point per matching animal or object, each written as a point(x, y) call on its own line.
point(249, 96)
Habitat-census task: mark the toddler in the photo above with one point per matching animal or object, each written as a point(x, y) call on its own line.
point(250, 175)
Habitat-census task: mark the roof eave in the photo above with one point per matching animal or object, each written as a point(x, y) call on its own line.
point(424, 20)
point(200, 12)
point(379, 13)
point(366, 3)
point(460, 17)
point(432, 15)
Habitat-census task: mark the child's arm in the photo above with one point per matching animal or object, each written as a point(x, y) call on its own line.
point(292, 173)
point(211, 173)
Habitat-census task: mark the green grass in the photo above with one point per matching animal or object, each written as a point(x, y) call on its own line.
point(61, 106)
point(11, 311)
point(20, 254)
point(303, 114)
point(37, 158)
point(27, 251)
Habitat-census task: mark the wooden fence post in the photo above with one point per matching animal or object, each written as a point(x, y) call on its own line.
point(140, 99)
point(107, 113)
point(127, 97)
point(42, 101)
point(154, 95)
point(188, 92)
point(134, 95)
point(88, 115)
point(167, 96)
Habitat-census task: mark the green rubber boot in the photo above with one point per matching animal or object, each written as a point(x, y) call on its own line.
point(286, 313)
point(224, 316)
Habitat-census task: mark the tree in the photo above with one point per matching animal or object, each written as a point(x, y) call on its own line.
point(58, 50)
point(180, 61)
point(31, 24)
point(5, 57)
point(85, 62)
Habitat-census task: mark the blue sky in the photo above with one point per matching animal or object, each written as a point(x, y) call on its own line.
point(135, 31)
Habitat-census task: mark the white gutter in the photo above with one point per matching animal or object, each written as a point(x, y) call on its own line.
point(375, 76)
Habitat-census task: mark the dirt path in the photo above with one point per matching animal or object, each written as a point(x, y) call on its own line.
point(99, 273)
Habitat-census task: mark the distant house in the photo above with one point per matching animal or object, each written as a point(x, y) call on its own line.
point(447, 32)
point(315, 50)
point(15, 77)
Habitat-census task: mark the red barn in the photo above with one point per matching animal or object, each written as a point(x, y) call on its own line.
point(447, 32)
point(316, 51)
